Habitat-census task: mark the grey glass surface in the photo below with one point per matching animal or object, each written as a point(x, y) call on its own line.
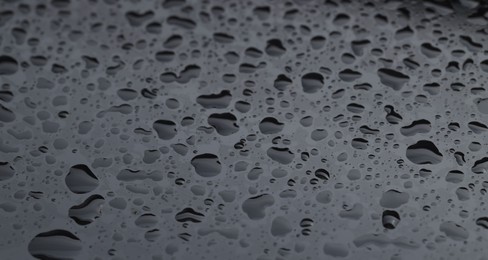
point(188, 129)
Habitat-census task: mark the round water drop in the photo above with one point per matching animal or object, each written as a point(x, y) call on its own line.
point(280, 227)
point(255, 207)
point(206, 165)
point(312, 82)
point(8, 65)
point(390, 219)
point(55, 244)
point(81, 179)
point(6, 171)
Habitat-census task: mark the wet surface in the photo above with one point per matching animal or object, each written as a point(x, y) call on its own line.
point(300, 129)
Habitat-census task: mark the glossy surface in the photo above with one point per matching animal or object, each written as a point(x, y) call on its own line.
point(299, 129)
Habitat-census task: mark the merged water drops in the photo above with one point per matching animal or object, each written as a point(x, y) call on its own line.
point(225, 124)
point(480, 166)
point(424, 152)
point(421, 126)
point(220, 100)
point(255, 207)
point(454, 231)
point(282, 155)
point(270, 125)
point(89, 210)
point(165, 129)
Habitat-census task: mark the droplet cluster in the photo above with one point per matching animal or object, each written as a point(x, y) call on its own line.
point(197, 129)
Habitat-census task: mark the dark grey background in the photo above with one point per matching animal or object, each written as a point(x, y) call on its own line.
point(243, 129)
